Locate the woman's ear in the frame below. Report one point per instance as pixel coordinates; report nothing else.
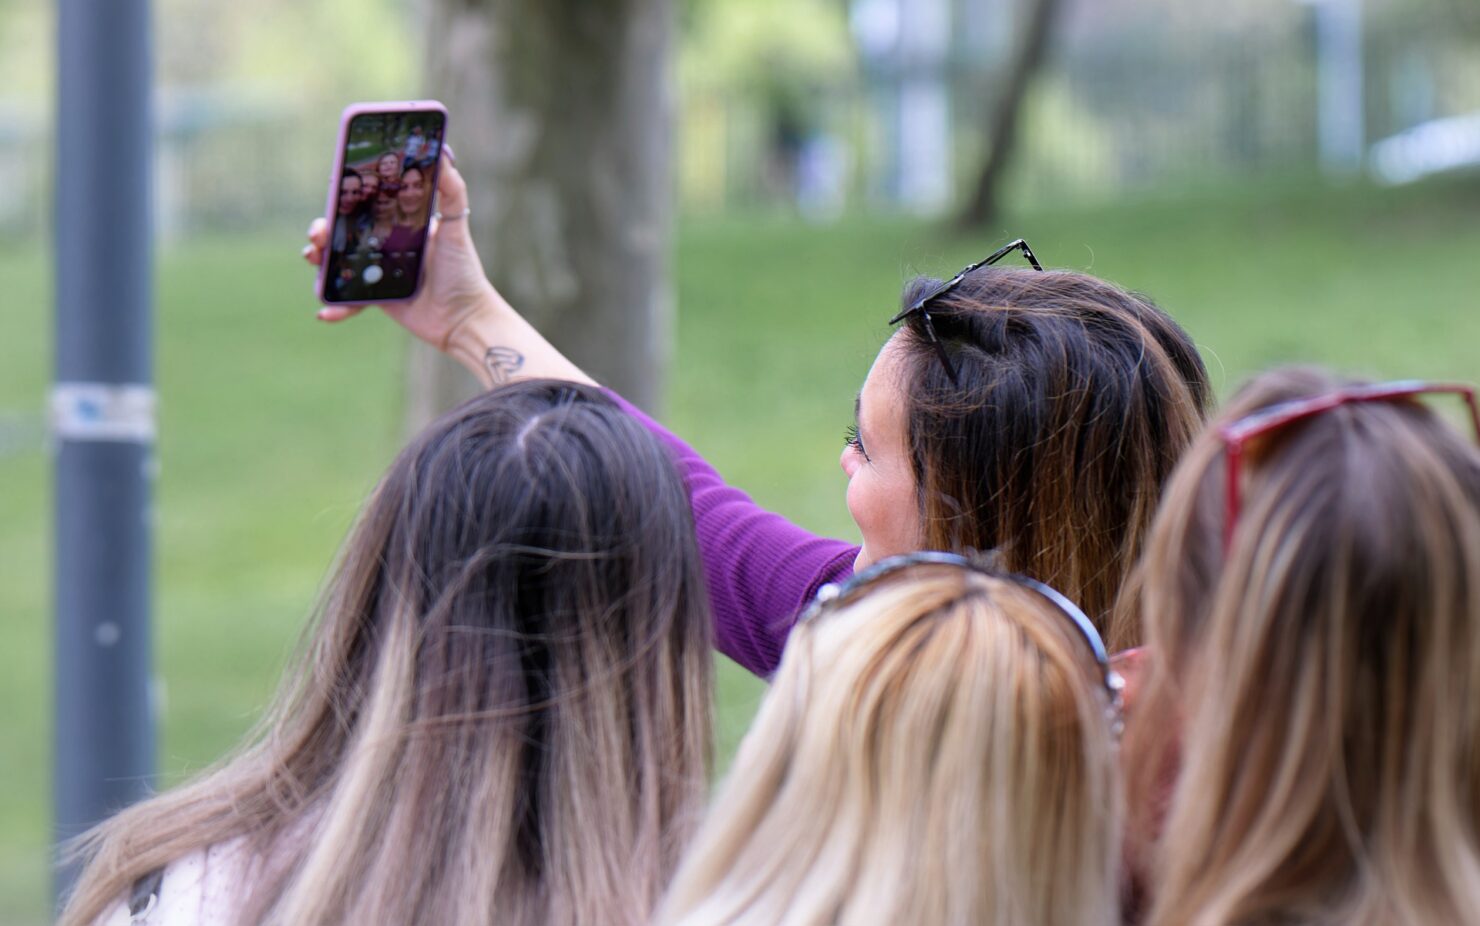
(1131, 664)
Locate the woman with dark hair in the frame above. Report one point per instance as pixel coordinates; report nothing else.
(1035, 413)
(502, 712)
(345, 239)
(347, 206)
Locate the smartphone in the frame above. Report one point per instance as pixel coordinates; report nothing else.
(380, 204)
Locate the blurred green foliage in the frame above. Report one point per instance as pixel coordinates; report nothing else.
(335, 47)
(748, 45)
(373, 49)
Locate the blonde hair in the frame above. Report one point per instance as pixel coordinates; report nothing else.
(503, 711)
(1323, 671)
(937, 752)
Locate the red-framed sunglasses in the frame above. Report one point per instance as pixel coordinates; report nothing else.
(1237, 434)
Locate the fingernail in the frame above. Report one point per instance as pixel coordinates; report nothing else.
(451, 155)
(307, 248)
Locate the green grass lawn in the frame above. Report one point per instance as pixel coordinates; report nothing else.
(273, 427)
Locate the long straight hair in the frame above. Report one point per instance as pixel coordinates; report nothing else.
(937, 752)
(1073, 401)
(1318, 681)
(502, 713)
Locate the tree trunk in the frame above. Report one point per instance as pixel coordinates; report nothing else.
(561, 114)
(1029, 52)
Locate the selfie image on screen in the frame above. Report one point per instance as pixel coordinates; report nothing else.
(383, 206)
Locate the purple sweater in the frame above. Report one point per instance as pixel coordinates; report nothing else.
(762, 569)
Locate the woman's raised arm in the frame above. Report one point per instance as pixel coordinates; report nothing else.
(457, 310)
(761, 569)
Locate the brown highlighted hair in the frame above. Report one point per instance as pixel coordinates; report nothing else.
(1073, 401)
(502, 712)
(1317, 681)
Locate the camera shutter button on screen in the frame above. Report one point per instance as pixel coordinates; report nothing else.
(373, 273)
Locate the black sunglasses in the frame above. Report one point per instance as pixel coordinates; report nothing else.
(836, 595)
(919, 305)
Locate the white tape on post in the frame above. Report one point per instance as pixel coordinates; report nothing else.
(103, 412)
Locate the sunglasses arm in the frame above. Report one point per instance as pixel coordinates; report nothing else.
(1233, 453)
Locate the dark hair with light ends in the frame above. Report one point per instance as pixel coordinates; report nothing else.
(503, 708)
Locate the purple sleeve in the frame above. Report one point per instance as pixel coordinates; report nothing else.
(761, 569)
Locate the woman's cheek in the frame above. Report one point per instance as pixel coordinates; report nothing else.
(861, 503)
(858, 511)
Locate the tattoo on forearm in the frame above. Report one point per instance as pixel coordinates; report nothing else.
(502, 363)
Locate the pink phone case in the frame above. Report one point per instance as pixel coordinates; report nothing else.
(331, 206)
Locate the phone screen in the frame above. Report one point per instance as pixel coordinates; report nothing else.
(383, 206)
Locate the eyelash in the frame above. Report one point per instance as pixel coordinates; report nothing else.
(851, 438)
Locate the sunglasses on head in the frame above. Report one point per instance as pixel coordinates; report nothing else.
(1236, 435)
(921, 305)
(834, 596)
